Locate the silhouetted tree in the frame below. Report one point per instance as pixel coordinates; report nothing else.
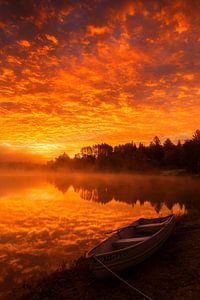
(196, 136)
(191, 153)
(170, 154)
(129, 157)
(155, 152)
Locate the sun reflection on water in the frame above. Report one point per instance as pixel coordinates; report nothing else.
(41, 226)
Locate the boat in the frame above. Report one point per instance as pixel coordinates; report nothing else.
(129, 245)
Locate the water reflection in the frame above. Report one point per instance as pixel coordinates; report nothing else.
(130, 189)
(47, 219)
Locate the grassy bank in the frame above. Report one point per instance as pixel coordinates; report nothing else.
(172, 273)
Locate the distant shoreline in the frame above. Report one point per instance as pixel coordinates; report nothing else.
(42, 169)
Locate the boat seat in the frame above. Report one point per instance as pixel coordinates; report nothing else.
(123, 243)
(149, 227)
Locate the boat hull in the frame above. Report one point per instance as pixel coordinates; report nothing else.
(120, 260)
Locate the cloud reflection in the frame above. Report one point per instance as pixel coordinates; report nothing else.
(47, 220)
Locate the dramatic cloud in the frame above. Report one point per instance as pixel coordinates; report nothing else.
(80, 72)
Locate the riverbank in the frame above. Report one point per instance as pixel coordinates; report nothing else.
(172, 273)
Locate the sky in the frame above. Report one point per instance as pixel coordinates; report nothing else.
(76, 73)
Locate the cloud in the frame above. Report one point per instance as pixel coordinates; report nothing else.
(95, 30)
(10, 153)
(66, 64)
(51, 38)
(24, 43)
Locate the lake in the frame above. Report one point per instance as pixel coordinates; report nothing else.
(50, 219)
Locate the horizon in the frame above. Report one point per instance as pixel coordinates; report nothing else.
(80, 73)
(9, 155)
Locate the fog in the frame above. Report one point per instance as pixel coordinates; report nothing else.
(157, 189)
(98, 187)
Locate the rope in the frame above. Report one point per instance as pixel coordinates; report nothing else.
(122, 280)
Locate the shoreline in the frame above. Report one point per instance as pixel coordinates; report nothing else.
(173, 272)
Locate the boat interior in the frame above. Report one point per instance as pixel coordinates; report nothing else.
(137, 232)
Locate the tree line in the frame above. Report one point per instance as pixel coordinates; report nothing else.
(130, 158)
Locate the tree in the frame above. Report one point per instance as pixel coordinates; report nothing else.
(129, 157)
(62, 161)
(156, 142)
(196, 136)
(191, 152)
(155, 151)
(168, 144)
(170, 154)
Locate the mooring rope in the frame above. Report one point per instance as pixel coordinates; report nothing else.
(121, 279)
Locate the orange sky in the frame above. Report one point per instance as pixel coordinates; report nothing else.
(75, 73)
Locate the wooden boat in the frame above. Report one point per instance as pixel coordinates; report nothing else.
(129, 245)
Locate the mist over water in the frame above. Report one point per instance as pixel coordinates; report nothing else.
(46, 219)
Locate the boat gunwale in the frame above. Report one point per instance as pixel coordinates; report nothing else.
(168, 219)
(97, 268)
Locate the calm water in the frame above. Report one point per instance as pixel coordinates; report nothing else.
(46, 219)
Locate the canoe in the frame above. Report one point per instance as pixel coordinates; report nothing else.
(129, 246)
